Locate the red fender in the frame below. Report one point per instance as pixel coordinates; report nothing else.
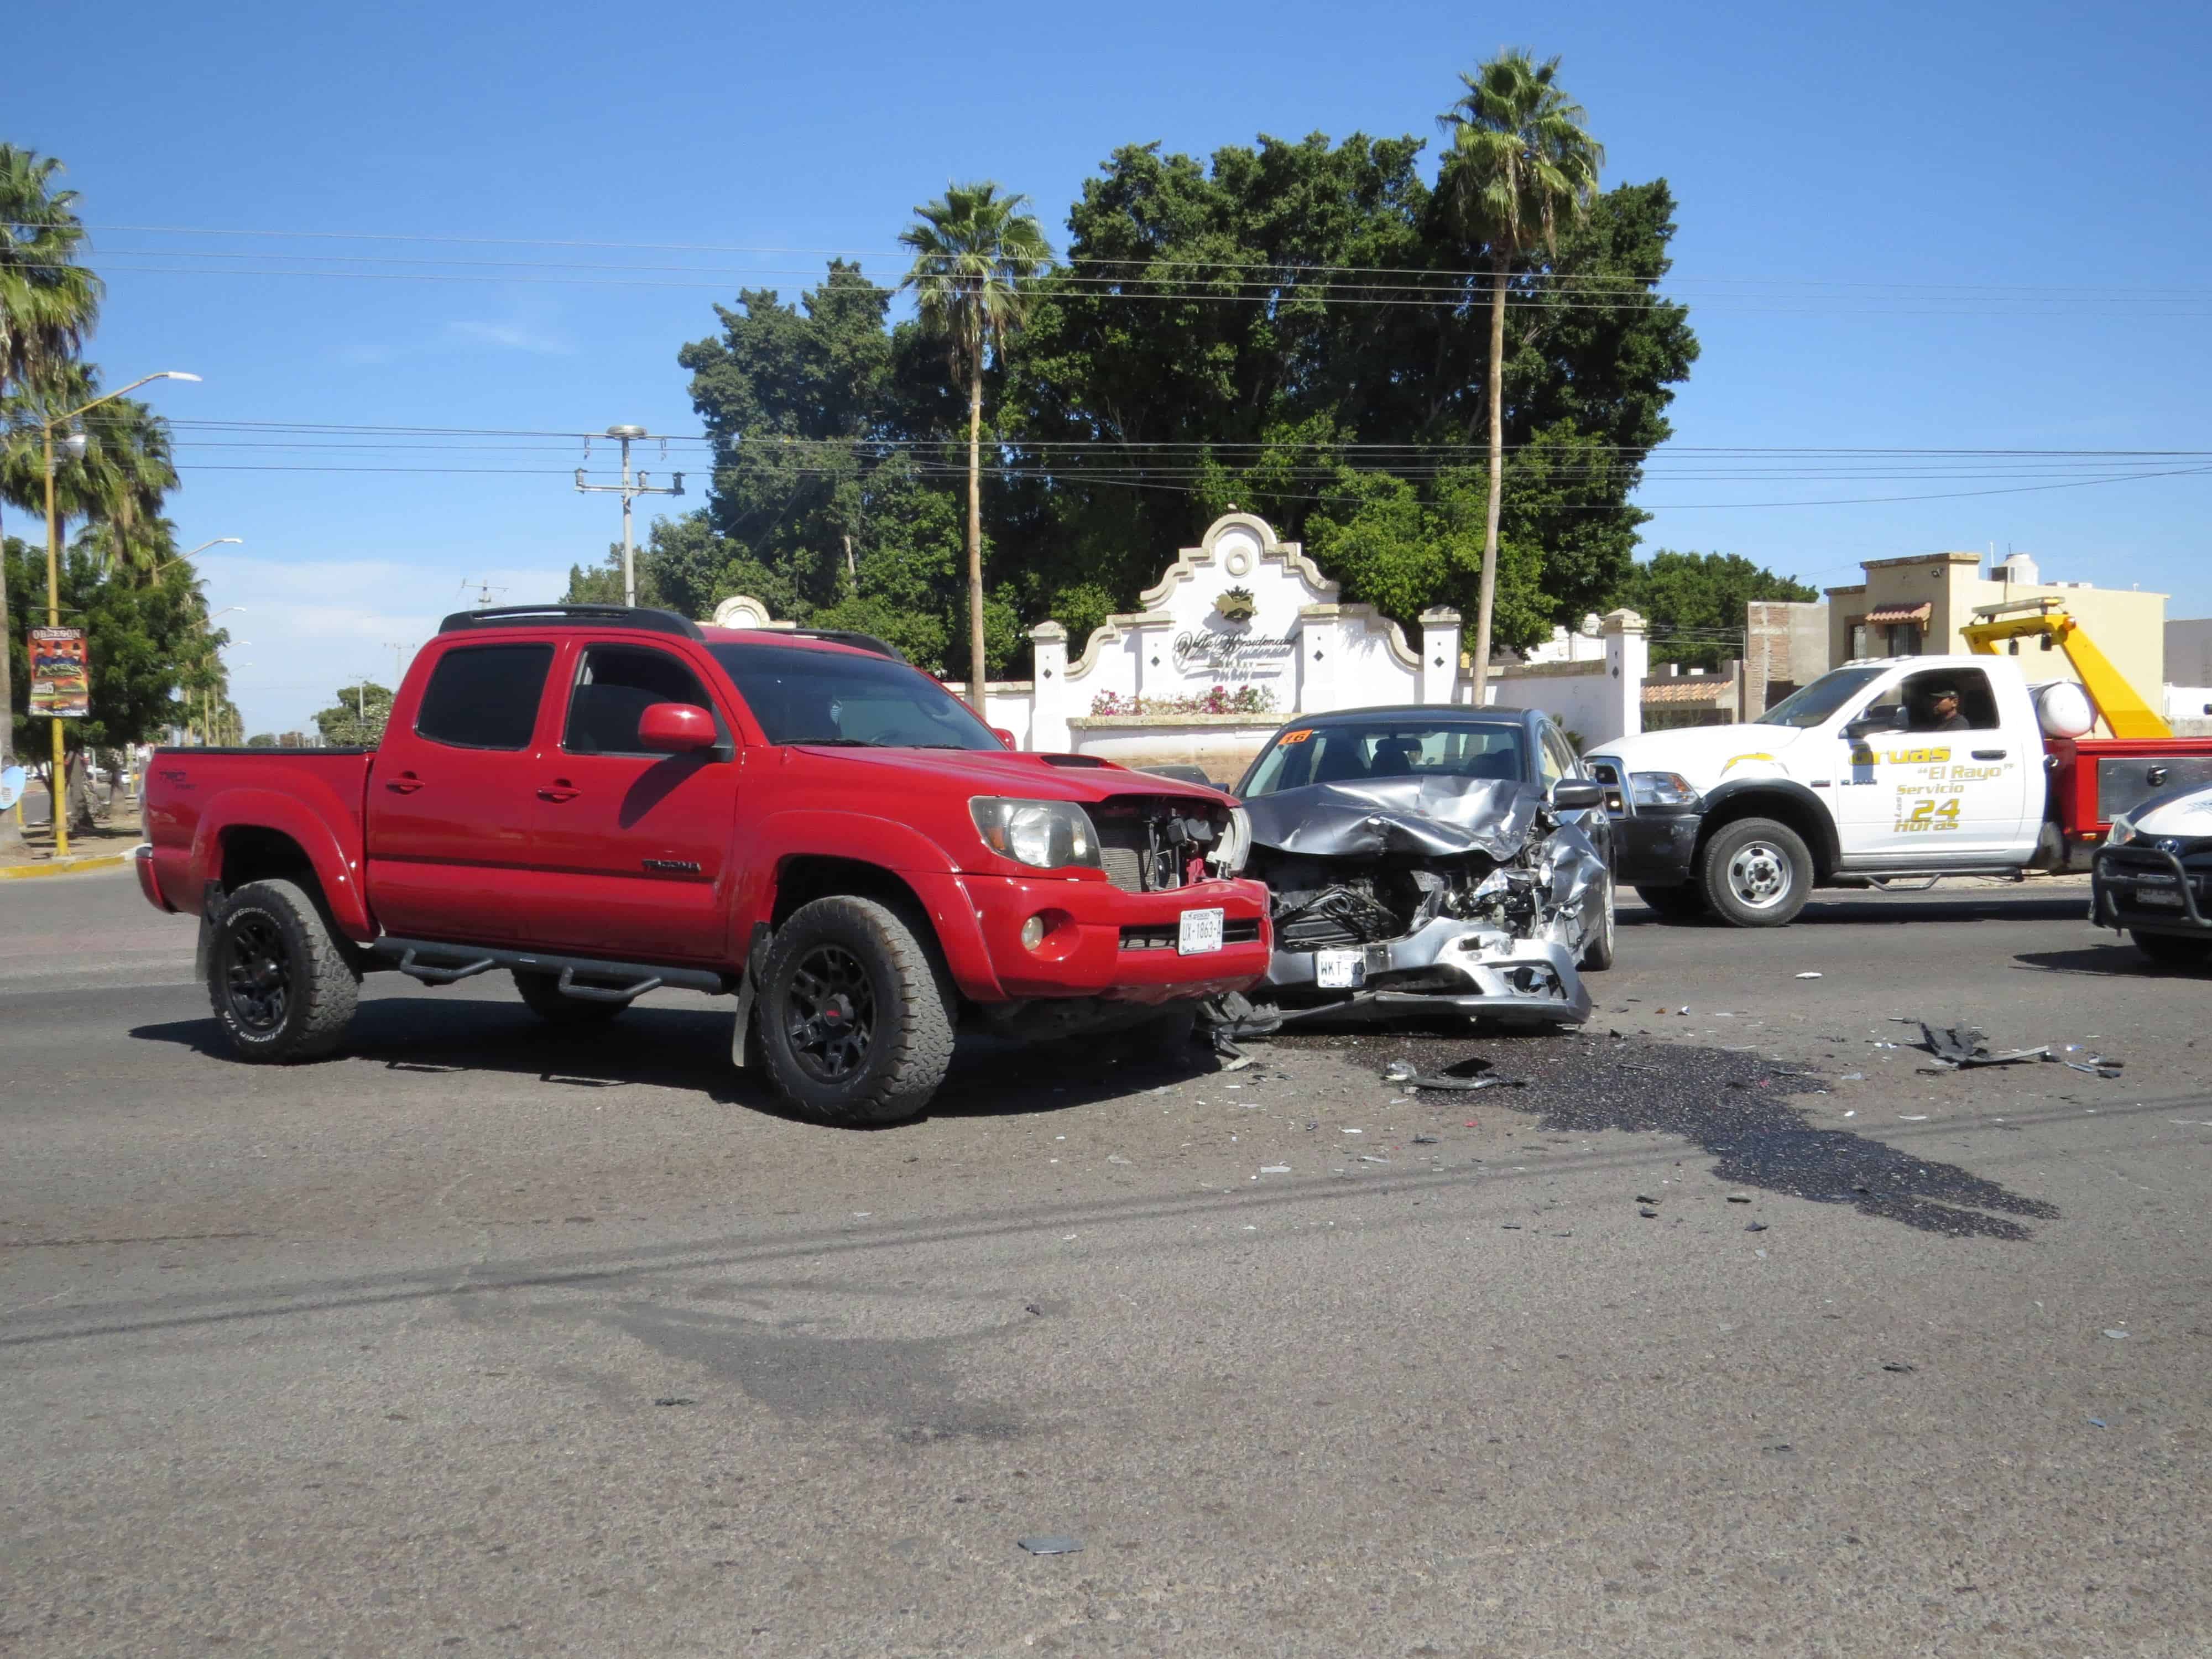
(306, 817)
(905, 852)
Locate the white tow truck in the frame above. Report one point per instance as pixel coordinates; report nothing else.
(1869, 777)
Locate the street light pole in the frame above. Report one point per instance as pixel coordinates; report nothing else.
(627, 489)
(54, 783)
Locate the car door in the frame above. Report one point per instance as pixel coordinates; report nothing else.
(631, 846)
(1916, 793)
(452, 796)
(1556, 760)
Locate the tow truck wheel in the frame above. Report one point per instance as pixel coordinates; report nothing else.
(1756, 873)
(1597, 952)
(1683, 904)
(2171, 950)
(543, 992)
(856, 1022)
(280, 984)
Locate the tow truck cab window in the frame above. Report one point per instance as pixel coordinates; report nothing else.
(1813, 705)
(614, 685)
(484, 697)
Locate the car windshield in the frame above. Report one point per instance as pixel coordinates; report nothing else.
(1817, 702)
(848, 698)
(1343, 753)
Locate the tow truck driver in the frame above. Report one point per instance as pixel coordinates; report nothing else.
(1937, 710)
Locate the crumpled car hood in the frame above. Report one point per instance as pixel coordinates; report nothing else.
(1429, 818)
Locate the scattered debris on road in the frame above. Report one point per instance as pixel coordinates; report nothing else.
(1472, 1073)
(1051, 1544)
(1965, 1046)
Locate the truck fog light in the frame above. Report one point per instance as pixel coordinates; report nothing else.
(1033, 933)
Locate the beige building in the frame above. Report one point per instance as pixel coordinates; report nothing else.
(1916, 606)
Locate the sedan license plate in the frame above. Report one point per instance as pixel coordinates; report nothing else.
(1340, 970)
(1200, 932)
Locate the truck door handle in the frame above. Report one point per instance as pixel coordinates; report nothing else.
(406, 784)
(559, 789)
(1988, 754)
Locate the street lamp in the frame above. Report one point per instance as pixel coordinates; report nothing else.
(181, 558)
(75, 445)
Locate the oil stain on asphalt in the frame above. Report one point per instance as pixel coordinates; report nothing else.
(1733, 1106)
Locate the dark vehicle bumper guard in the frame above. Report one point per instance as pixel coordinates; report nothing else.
(2119, 875)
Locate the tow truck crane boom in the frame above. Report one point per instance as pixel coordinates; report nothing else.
(2126, 713)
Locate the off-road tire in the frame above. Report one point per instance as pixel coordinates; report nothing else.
(1598, 952)
(835, 948)
(2171, 950)
(1683, 904)
(1736, 865)
(549, 1002)
(280, 981)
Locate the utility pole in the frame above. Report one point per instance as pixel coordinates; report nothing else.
(628, 490)
(398, 663)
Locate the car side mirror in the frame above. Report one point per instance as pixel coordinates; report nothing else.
(676, 728)
(1577, 794)
(1004, 737)
(1873, 722)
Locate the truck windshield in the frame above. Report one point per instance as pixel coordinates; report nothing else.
(1815, 703)
(799, 695)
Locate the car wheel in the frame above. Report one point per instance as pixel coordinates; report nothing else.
(856, 1026)
(1683, 904)
(1598, 952)
(543, 992)
(280, 982)
(1756, 873)
(2171, 950)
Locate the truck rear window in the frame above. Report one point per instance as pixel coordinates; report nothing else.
(485, 696)
(848, 698)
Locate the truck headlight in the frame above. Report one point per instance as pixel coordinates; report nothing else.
(1662, 789)
(2121, 832)
(1049, 835)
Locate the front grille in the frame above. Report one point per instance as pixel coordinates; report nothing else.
(1124, 865)
(1164, 936)
(1126, 825)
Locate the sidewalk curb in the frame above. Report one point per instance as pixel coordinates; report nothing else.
(62, 867)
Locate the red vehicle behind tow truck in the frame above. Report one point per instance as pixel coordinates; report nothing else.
(603, 801)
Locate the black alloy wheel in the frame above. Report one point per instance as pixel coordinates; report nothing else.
(830, 1016)
(257, 973)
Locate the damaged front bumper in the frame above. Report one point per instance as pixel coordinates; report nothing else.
(1447, 965)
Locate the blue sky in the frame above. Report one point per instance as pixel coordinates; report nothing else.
(1976, 226)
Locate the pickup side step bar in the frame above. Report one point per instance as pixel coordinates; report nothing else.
(588, 977)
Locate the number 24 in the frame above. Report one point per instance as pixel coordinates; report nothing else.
(1924, 811)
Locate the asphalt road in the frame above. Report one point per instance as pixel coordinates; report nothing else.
(486, 1338)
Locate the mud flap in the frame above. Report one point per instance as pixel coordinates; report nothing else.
(748, 989)
(213, 901)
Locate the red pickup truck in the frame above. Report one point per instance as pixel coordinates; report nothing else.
(603, 801)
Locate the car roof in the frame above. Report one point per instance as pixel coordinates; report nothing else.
(1489, 713)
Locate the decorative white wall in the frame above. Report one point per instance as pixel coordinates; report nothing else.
(1285, 631)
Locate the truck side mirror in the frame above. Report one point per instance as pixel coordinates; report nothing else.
(1576, 794)
(1004, 737)
(1873, 722)
(676, 728)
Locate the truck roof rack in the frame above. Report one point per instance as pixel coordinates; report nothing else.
(847, 636)
(574, 616)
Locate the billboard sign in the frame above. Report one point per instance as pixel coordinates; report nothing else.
(61, 675)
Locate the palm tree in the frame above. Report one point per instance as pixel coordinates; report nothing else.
(48, 305)
(975, 253)
(1520, 162)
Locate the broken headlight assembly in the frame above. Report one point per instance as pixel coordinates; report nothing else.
(1046, 835)
(2121, 832)
(1662, 789)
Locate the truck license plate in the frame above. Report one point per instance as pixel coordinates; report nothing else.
(1200, 932)
(2162, 896)
(1340, 970)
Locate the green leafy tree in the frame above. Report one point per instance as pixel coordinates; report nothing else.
(144, 641)
(1694, 603)
(262, 740)
(356, 720)
(975, 256)
(1521, 162)
(49, 304)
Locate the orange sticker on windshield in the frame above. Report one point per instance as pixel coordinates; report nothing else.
(1297, 737)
